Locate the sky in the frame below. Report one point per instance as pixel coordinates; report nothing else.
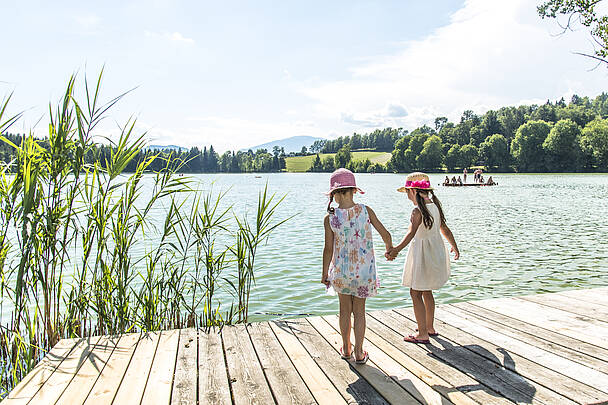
(235, 74)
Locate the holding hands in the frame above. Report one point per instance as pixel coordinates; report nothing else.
(391, 253)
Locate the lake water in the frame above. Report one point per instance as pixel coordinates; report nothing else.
(530, 234)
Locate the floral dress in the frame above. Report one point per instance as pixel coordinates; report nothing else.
(353, 267)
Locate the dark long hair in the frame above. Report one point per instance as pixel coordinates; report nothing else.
(330, 209)
(427, 218)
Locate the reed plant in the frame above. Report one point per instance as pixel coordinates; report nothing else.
(82, 254)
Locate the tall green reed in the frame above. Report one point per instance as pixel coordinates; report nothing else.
(81, 254)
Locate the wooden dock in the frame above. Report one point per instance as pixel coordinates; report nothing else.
(541, 349)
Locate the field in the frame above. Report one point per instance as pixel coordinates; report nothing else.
(302, 163)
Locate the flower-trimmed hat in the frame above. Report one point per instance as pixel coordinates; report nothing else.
(417, 180)
(343, 178)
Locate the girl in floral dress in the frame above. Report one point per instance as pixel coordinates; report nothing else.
(349, 265)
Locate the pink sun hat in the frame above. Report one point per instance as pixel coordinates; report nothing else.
(417, 180)
(343, 178)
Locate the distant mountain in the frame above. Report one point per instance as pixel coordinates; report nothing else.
(165, 147)
(292, 144)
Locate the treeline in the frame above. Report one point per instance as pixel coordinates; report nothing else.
(381, 140)
(553, 137)
(192, 161)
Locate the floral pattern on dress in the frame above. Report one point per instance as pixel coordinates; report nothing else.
(353, 267)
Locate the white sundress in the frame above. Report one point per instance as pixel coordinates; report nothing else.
(427, 266)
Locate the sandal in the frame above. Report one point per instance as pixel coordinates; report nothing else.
(414, 339)
(363, 360)
(344, 356)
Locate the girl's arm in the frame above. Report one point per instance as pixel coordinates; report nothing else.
(415, 221)
(328, 250)
(447, 233)
(384, 234)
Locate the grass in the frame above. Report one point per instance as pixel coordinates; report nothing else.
(64, 207)
(303, 163)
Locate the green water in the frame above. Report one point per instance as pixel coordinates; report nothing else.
(530, 234)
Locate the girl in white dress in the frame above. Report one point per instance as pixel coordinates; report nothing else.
(427, 266)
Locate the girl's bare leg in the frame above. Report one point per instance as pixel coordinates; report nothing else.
(346, 308)
(429, 305)
(359, 313)
(420, 313)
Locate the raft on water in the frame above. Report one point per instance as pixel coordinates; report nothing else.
(469, 185)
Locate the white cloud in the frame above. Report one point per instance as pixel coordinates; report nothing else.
(87, 21)
(492, 53)
(171, 36)
(229, 133)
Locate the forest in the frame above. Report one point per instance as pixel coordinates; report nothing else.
(552, 137)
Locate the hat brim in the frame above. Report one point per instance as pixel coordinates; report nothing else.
(404, 189)
(357, 189)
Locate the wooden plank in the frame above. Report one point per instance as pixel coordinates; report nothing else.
(325, 352)
(107, 384)
(387, 387)
(587, 350)
(598, 296)
(506, 382)
(400, 354)
(319, 385)
(133, 384)
(575, 326)
(160, 379)
(570, 379)
(31, 383)
(389, 324)
(50, 392)
(570, 304)
(401, 375)
(79, 388)
(184, 384)
(245, 374)
(213, 387)
(284, 381)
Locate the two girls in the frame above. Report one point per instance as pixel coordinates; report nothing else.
(348, 256)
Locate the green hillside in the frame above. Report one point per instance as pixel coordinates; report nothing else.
(302, 163)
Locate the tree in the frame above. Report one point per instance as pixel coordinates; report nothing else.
(453, 158)
(594, 142)
(490, 124)
(494, 151)
(343, 156)
(431, 155)
(527, 146)
(317, 146)
(562, 148)
(328, 164)
(212, 160)
(304, 150)
(469, 155)
(440, 122)
(355, 142)
(397, 161)
(584, 12)
(316, 166)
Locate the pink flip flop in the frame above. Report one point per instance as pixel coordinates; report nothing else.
(363, 360)
(346, 357)
(413, 339)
